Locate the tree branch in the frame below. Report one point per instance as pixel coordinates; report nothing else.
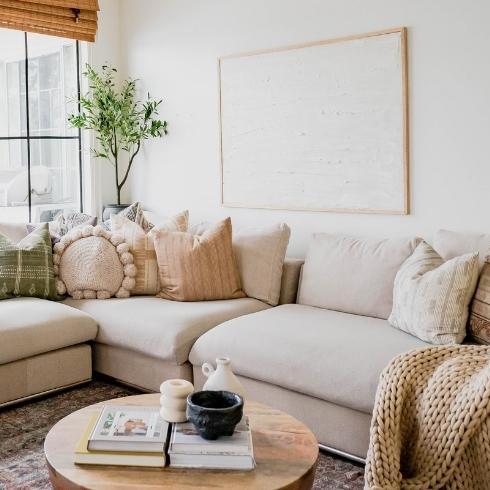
(129, 164)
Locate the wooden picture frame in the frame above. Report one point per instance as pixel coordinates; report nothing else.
(403, 152)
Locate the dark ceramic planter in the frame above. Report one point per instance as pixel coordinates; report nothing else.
(112, 209)
(214, 413)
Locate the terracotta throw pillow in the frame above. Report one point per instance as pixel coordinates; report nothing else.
(198, 268)
(480, 307)
(143, 249)
(431, 297)
(260, 254)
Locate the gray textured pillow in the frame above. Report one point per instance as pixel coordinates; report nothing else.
(134, 213)
(63, 223)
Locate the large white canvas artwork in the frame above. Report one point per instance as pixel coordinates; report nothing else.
(318, 127)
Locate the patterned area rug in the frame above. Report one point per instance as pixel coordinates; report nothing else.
(24, 427)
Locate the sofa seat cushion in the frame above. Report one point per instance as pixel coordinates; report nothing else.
(157, 327)
(31, 326)
(334, 356)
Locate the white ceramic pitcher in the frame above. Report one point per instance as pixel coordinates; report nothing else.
(221, 378)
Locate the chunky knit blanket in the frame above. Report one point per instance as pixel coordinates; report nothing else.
(431, 422)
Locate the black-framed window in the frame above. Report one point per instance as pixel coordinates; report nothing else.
(40, 154)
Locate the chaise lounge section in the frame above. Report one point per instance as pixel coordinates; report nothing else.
(321, 366)
(43, 347)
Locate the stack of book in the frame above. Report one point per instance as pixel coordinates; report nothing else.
(189, 450)
(138, 436)
(125, 436)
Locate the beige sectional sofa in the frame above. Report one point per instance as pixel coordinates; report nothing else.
(318, 364)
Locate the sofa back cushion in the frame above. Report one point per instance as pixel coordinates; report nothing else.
(291, 272)
(353, 275)
(449, 244)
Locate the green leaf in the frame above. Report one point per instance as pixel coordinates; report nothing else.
(119, 120)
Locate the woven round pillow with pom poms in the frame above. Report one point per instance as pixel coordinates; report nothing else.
(91, 262)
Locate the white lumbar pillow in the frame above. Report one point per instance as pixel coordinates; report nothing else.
(431, 297)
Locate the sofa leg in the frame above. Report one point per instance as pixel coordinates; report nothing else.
(338, 452)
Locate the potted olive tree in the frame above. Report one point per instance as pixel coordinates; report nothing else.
(120, 122)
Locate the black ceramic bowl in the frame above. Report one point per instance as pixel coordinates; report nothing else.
(214, 413)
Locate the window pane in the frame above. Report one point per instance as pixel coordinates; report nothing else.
(51, 92)
(13, 181)
(12, 82)
(52, 96)
(55, 174)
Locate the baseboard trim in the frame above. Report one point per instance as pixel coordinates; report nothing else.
(343, 454)
(43, 393)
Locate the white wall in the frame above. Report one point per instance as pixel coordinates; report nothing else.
(105, 50)
(172, 46)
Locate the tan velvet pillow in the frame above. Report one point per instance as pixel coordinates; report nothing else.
(197, 268)
(143, 249)
(260, 256)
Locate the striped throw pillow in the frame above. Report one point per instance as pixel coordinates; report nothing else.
(197, 267)
(143, 249)
(431, 297)
(26, 267)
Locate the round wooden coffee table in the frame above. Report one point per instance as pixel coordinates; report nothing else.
(285, 452)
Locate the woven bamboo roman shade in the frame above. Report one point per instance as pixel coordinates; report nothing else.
(74, 19)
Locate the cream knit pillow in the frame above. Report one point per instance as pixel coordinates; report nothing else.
(143, 249)
(91, 262)
(431, 297)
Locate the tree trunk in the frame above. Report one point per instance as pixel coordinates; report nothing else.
(117, 176)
